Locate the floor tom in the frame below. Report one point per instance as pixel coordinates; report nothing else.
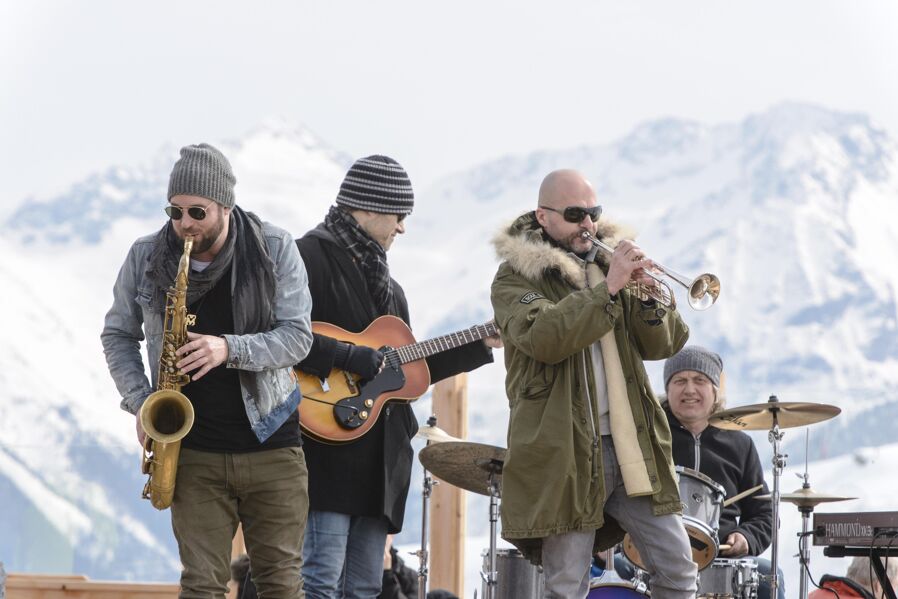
(516, 577)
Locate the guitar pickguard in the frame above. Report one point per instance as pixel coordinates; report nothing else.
(352, 412)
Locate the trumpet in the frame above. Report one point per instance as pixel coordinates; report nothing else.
(701, 292)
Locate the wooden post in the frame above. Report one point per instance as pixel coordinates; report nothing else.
(447, 503)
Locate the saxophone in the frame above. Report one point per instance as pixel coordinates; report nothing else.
(167, 414)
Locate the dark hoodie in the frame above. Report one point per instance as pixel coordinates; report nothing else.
(730, 459)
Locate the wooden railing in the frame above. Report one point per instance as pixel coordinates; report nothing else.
(76, 586)
(68, 586)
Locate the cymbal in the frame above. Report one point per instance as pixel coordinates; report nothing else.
(463, 464)
(806, 497)
(434, 434)
(759, 417)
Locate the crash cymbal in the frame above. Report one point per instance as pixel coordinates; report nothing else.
(434, 434)
(806, 497)
(759, 417)
(463, 464)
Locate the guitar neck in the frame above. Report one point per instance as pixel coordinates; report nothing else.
(423, 349)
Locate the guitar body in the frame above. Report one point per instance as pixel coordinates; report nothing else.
(341, 409)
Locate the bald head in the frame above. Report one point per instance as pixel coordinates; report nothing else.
(561, 186)
(561, 190)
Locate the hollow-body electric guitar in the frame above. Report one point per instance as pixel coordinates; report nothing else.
(342, 407)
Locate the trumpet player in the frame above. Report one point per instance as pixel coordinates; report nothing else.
(242, 461)
(588, 444)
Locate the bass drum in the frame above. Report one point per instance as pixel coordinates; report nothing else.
(614, 590)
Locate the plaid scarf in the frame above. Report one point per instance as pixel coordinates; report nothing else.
(245, 249)
(368, 254)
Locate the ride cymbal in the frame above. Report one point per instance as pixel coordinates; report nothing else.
(760, 417)
(463, 464)
(806, 497)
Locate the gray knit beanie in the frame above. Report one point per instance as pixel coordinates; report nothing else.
(205, 172)
(695, 358)
(378, 184)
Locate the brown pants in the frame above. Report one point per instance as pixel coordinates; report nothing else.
(267, 492)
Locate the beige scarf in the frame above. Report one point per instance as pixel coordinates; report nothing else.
(623, 428)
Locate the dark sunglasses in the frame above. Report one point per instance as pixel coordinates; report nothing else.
(177, 212)
(575, 214)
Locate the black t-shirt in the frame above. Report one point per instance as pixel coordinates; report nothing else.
(220, 423)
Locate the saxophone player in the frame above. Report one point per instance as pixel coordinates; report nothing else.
(242, 460)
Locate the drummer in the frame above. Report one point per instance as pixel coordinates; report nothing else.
(692, 383)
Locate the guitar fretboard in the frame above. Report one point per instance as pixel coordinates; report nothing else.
(423, 349)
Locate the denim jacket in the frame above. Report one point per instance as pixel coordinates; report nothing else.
(265, 360)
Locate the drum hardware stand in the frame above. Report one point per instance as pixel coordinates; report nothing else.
(422, 553)
(779, 462)
(609, 575)
(494, 467)
(804, 552)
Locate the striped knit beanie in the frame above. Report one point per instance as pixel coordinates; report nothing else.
(378, 184)
(695, 358)
(205, 172)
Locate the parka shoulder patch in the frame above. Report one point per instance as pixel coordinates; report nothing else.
(530, 297)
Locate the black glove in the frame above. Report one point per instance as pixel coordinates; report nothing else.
(358, 359)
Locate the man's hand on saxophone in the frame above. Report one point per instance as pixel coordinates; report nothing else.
(201, 351)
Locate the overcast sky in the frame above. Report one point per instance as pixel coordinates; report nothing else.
(440, 86)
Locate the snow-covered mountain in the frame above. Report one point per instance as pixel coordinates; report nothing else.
(793, 208)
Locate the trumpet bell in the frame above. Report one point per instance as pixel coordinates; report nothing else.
(703, 291)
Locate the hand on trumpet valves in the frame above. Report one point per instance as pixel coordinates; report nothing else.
(628, 262)
(203, 352)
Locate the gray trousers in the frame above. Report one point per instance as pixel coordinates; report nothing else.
(661, 540)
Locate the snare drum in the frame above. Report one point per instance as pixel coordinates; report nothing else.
(516, 577)
(702, 500)
(729, 579)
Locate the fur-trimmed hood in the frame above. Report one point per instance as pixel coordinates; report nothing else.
(523, 245)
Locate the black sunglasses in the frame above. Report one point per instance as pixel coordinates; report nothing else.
(177, 212)
(575, 214)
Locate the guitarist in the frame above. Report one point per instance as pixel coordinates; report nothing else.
(357, 490)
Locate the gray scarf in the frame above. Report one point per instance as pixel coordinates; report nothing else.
(244, 251)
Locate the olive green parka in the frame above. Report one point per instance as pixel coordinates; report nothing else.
(552, 480)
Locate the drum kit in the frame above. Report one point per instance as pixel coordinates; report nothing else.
(477, 467)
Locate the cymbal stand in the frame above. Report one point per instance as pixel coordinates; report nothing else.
(422, 553)
(779, 462)
(804, 552)
(494, 467)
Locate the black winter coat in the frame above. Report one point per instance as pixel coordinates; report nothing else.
(731, 460)
(369, 476)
